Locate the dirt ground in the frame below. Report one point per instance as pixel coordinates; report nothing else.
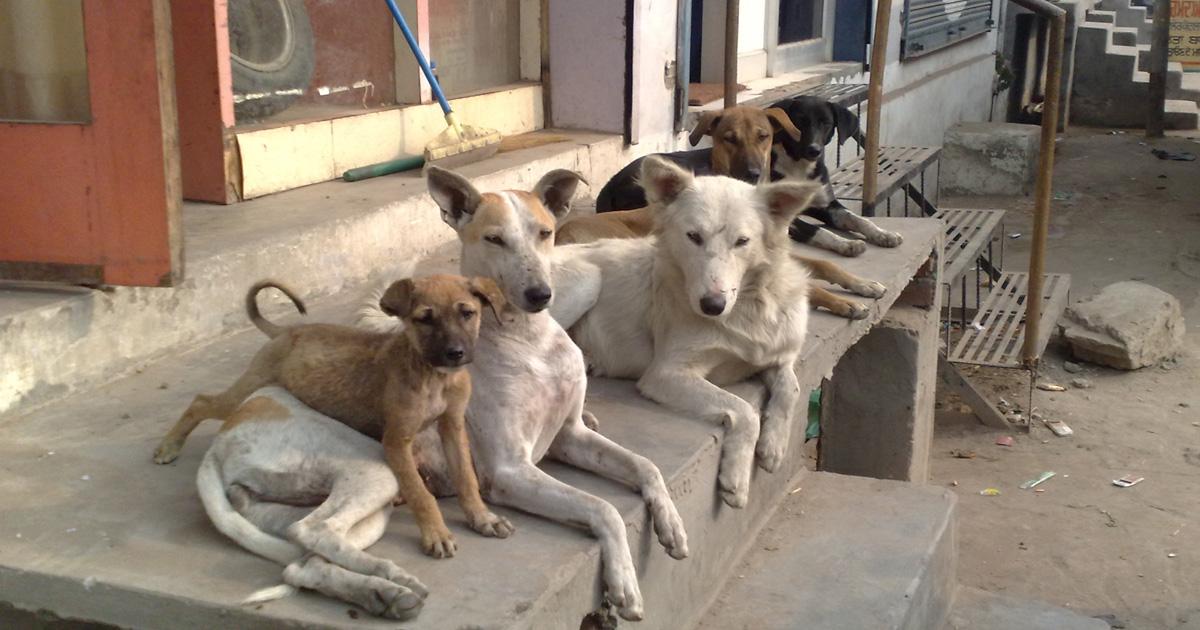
(1084, 543)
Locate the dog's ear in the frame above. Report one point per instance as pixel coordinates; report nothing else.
(780, 121)
(556, 189)
(662, 179)
(489, 293)
(847, 123)
(784, 200)
(454, 195)
(397, 300)
(704, 125)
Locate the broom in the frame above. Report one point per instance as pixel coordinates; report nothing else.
(458, 143)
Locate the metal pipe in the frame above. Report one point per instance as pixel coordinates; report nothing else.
(1042, 192)
(731, 45)
(1155, 117)
(1041, 7)
(879, 44)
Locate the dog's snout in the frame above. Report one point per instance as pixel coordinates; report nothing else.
(754, 172)
(812, 152)
(455, 354)
(712, 304)
(538, 296)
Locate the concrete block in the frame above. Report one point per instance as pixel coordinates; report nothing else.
(878, 407)
(1126, 325)
(846, 552)
(981, 158)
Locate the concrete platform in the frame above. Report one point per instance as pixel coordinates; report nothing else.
(846, 552)
(323, 239)
(979, 610)
(103, 534)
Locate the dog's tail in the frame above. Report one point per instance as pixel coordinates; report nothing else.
(270, 329)
(231, 523)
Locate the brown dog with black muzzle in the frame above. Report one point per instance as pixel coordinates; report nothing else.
(386, 385)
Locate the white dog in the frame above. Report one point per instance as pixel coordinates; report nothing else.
(711, 298)
(308, 492)
(529, 380)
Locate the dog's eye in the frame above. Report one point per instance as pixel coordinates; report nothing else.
(426, 318)
(494, 240)
(467, 315)
(762, 135)
(730, 138)
(695, 238)
(545, 234)
(741, 241)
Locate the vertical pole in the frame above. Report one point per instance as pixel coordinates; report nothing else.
(1158, 69)
(1041, 212)
(731, 45)
(879, 45)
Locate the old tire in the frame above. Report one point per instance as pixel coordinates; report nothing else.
(271, 50)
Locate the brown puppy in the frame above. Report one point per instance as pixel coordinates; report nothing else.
(742, 138)
(386, 385)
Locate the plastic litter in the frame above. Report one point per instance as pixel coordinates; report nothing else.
(1037, 480)
(990, 492)
(1058, 427)
(1178, 156)
(1051, 387)
(1004, 440)
(1127, 481)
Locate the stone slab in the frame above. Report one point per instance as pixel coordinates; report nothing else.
(846, 552)
(982, 158)
(101, 533)
(1126, 325)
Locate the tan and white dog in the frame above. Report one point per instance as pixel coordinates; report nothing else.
(529, 380)
(714, 296)
(308, 492)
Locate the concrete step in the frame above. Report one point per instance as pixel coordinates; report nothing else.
(322, 238)
(846, 552)
(103, 534)
(1124, 36)
(1097, 16)
(979, 610)
(1181, 115)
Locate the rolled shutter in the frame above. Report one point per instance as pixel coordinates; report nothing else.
(933, 24)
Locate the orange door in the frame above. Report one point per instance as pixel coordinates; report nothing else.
(89, 190)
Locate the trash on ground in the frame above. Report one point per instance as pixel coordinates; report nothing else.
(1178, 156)
(1015, 418)
(1057, 427)
(1072, 367)
(1002, 403)
(1037, 480)
(1039, 490)
(990, 492)
(1172, 555)
(1128, 480)
(977, 326)
(796, 489)
(1065, 196)
(1004, 440)
(1081, 383)
(86, 477)
(1051, 387)
(957, 454)
(1015, 235)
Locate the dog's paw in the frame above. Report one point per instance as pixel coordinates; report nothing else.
(492, 525)
(869, 288)
(851, 248)
(770, 452)
(855, 311)
(734, 488)
(884, 238)
(392, 572)
(166, 453)
(624, 593)
(669, 527)
(590, 421)
(438, 542)
(392, 601)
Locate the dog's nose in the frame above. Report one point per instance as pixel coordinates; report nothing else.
(754, 173)
(538, 296)
(454, 354)
(712, 304)
(812, 152)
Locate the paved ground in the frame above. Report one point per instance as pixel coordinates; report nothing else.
(1083, 543)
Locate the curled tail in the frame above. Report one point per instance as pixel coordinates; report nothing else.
(269, 329)
(231, 523)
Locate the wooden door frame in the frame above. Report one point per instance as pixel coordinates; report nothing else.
(109, 230)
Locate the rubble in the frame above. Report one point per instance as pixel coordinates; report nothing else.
(1127, 325)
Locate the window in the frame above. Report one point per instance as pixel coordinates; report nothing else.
(800, 20)
(929, 25)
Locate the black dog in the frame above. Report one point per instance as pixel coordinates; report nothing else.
(817, 120)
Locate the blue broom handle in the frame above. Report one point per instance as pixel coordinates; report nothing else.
(416, 48)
